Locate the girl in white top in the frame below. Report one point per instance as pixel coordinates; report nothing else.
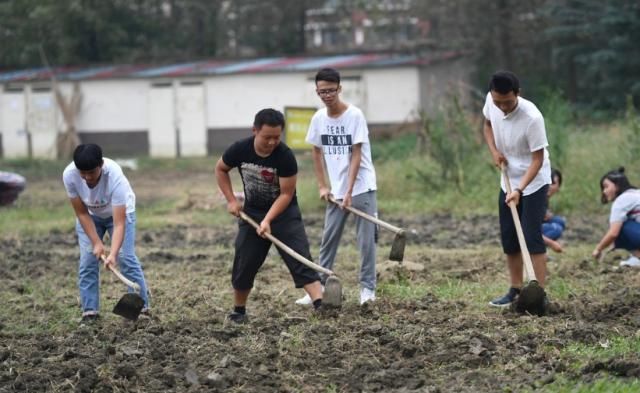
(624, 220)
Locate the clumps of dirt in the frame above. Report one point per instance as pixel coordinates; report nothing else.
(430, 344)
(617, 367)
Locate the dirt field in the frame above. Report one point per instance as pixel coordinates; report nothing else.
(428, 332)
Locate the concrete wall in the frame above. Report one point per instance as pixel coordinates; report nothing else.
(113, 105)
(440, 81)
(15, 141)
(392, 95)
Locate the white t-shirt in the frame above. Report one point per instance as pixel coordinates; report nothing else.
(336, 137)
(113, 189)
(626, 207)
(517, 135)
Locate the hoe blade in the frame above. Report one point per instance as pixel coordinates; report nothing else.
(332, 296)
(129, 306)
(531, 299)
(397, 248)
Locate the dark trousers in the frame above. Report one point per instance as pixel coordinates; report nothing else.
(531, 211)
(252, 250)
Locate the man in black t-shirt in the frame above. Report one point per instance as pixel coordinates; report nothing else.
(268, 170)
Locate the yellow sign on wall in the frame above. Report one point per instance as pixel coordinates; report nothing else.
(297, 121)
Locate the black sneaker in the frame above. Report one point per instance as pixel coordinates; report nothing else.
(89, 319)
(507, 299)
(238, 317)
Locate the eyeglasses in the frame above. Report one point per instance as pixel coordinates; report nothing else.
(327, 92)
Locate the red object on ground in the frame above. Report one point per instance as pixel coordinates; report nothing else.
(11, 185)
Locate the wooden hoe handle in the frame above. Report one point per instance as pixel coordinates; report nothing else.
(366, 216)
(286, 248)
(526, 257)
(122, 278)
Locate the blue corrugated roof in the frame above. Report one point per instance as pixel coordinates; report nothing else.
(213, 67)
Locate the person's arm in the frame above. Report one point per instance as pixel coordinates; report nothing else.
(287, 189)
(318, 168)
(119, 221)
(224, 183)
(554, 245)
(88, 225)
(354, 167)
(497, 156)
(608, 238)
(537, 158)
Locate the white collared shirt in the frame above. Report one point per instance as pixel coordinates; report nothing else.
(517, 135)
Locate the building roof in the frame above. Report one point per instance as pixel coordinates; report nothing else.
(224, 67)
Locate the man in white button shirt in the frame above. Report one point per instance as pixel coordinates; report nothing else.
(515, 134)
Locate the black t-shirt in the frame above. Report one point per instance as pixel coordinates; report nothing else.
(261, 175)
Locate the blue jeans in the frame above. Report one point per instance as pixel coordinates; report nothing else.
(629, 236)
(89, 269)
(553, 228)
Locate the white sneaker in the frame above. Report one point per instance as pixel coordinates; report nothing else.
(367, 295)
(633, 261)
(306, 299)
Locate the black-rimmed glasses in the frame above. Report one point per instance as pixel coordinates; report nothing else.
(327, 92)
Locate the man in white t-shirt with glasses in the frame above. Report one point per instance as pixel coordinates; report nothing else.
(340, 139)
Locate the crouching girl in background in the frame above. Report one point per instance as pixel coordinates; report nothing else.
(624, 220)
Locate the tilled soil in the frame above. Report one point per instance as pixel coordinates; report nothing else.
(429, 343)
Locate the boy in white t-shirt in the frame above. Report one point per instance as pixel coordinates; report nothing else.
(340, 139)
(515, 134)
(103, 201)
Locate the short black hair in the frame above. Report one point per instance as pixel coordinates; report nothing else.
(328, 75)
(504, 81)
(556, 174)
(87, 157)
(618, 178)
(270, 117)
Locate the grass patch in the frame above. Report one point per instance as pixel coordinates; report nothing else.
(613, 347)
(446, 290)
(601, 385)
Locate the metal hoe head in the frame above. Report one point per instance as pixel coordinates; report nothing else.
(397, 248)
(531, 299)
(129, 306)
(332, 296)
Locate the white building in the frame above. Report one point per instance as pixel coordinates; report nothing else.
(195, 109)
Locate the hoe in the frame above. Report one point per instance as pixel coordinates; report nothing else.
(397, 248)
(531, 298)
(131, 304)
(332, 288)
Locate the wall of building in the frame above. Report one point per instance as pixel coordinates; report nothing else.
(15, 140)
(439, 82)
(196, 116)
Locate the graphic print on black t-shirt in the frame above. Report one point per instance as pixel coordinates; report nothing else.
(261, 184)
(336, 141)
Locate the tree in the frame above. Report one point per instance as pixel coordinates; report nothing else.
(595, 49)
